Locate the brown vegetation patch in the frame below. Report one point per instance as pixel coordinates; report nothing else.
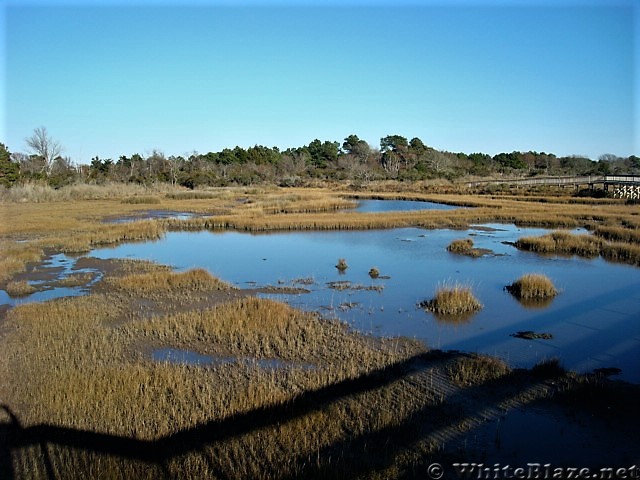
(19, 289)
(465, 247)
(582, 245)
(533, 286)
(477, 369)
(143, 200)
(452, 300)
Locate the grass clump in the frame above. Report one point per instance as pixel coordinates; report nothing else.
(452, 300)
(19, 289)
(342, 265)
(533, 286)
(476, 370)
(464, 246)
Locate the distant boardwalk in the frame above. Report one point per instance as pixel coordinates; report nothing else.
(624, 186)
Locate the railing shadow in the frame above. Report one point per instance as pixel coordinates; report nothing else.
(158, 453)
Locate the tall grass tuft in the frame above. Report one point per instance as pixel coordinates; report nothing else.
(533, 286)
(464, 246)
(452, 300)
(476, 370)
(19, 289)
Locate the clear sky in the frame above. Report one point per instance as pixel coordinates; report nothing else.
(109, 78)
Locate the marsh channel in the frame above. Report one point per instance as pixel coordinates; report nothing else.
(593, 323)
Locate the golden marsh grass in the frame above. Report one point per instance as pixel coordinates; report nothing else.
(477, 369)
(584, 245)
(465, 246)
(452, 300)
(533, 286)
(19, 289)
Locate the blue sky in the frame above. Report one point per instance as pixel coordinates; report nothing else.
(108, 78)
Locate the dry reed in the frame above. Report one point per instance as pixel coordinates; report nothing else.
(19, 289)
(533, 286)
(476, 370)
(464, 247)
(452, 300)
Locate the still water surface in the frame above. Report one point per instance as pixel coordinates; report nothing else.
(595, 321)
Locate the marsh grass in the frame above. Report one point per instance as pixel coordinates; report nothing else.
(34, 192)
(533, 286)
(464, 246)
(618, 233)
(87, 370)
(161, 281)
(19, 289)
(563, 243)
(452, 300)
(476, 369)
(142, 200)
(76, 279)
(583, 245)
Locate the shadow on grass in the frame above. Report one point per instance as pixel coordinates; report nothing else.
(43, 447)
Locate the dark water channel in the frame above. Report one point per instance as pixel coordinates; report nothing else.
(595, 321)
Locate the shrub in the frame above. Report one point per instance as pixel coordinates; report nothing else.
(374, 272)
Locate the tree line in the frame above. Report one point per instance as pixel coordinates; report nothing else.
(352, 160)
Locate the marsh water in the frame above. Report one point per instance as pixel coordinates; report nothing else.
(594, 321)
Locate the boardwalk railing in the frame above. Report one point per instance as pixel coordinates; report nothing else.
(625, 186)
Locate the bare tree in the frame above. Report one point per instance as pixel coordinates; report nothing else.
(42, 145)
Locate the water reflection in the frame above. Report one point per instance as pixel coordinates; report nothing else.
(591, 327)
(594, 320)
(378, 206)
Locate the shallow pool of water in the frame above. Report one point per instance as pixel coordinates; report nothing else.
(594, 321)
(378, 206)
(53, 269)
